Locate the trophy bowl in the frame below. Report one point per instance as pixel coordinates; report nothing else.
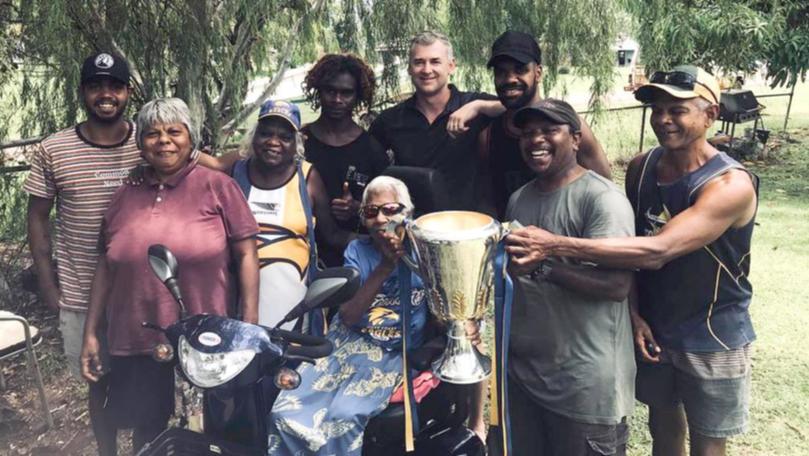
(454, 253)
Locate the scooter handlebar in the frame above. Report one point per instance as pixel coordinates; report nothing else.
(306, 346)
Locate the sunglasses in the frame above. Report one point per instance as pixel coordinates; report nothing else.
(388, 210)
(679, 79)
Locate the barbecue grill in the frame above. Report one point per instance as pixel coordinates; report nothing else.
(736, 107)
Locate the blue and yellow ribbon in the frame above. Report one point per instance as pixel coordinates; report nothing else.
(318, 325)
(503, 297)
(411, 412)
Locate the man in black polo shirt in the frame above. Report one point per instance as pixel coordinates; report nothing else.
(416, 129)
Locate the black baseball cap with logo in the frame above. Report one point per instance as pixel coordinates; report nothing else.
(557, 111)
(105, 64)
(519, 46)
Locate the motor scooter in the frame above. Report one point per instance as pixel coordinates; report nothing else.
(242, 367)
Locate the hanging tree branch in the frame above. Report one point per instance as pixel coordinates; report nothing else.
(289, 48)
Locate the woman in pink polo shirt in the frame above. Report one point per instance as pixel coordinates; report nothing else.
(201, 216)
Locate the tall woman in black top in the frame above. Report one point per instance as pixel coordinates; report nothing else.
(344, 154)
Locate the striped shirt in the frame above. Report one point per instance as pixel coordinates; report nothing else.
(81, 177)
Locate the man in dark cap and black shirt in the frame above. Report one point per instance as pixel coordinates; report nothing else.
(516, 61)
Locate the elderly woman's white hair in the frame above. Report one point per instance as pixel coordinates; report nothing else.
(246, 149)
(166, 111)
(389, 184)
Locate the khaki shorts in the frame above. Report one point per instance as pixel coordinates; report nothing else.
(71, 325)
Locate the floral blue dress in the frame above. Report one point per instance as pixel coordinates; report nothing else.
(328, 413)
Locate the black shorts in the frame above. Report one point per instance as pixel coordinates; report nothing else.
(140, 391)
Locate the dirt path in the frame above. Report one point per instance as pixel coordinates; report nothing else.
(22, 426)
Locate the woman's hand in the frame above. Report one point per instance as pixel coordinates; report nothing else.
(345, 207)
(91, 368)
(391, 247)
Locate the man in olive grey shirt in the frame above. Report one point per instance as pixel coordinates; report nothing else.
(571, 366)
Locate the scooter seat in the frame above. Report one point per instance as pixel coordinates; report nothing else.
(445, 406)
(421, 358)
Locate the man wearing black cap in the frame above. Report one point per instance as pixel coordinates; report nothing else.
(516, 61)
(79, 169)
(571, 366)
(695, 210)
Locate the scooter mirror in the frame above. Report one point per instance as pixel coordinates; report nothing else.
(331, 287)
(163, 262)
(164, 265)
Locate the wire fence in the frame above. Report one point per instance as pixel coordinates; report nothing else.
(625, 131)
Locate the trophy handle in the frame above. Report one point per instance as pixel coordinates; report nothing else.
(412, 265)
(400, 227)
(506, 227)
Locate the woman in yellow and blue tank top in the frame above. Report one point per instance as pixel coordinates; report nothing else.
(286, 196)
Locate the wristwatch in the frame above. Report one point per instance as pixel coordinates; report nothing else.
(543, 271)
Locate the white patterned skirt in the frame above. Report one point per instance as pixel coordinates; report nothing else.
(328, 412)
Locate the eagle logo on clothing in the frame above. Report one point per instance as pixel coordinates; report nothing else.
(655, 223)
(278, 244)
(383, 324)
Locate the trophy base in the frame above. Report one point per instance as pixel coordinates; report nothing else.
(461, 363)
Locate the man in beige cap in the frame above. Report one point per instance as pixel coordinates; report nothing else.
(694, 210)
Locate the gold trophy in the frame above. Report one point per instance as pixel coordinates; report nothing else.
(454, 253)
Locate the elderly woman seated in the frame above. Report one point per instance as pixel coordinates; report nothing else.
(328, 413)
(202, 216)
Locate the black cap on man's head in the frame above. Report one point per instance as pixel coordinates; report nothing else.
(520, 46)
(105, 64)
(557, 111)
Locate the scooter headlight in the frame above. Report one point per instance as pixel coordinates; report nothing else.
(287, 379)
(207, 370)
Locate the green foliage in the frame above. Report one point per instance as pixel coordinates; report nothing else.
(788, 54)
(204, 51)
(571, 32)
(207, 51)
(725, 35)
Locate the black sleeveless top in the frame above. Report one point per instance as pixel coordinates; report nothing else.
(357, 163)
(698, 302)
(506, 166)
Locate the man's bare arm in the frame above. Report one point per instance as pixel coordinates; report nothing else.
(222, 163)
(39, 241)
(725, 202)
(591, 155)
(91, 367)
(459, 120)
(611, 284)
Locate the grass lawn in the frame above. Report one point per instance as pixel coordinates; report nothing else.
(780, 273)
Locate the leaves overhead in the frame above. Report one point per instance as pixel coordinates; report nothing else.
(204, 51)
(725, 35)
